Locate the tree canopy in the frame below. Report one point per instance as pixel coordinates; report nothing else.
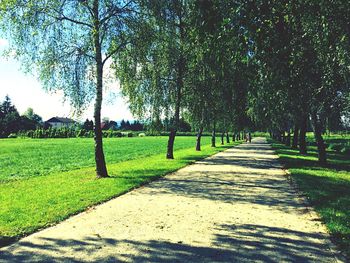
(280, 66)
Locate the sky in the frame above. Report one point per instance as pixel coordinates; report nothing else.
(26, 91)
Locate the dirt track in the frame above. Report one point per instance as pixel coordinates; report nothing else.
(236, 206)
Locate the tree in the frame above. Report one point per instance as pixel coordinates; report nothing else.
(9, 118)
(69, 43)
(88, 125)
(127, 125)
(123, 125)
(153, 69)
(136, 126)
(31, 115)
(287, 38)
(200, 98)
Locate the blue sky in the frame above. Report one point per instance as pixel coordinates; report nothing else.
(25, 91)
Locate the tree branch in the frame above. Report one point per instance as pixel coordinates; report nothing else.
(114, 51)
(63, 17)
(115, 10)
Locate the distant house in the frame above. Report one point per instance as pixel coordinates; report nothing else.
(109, 125)
(58, 122)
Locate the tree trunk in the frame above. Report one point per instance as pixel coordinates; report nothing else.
(321, 147)
(282, 137)
(302, 135)
(287, 139)
(295, 137)
(173, 130)
(101, 169)
(170, 148)
(179, 87)
(227, 138)
(213, 137)
(222, 138)
(233, 136)
(278, 137)
(239, 136)
(199, 136)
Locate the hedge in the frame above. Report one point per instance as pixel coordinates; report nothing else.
(71, 133)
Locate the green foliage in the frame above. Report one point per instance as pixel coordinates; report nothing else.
(9, 118)
(66, 132)
(88, 125)
(31, 115)
(55, 38)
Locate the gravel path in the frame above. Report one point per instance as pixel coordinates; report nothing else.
(236, 206)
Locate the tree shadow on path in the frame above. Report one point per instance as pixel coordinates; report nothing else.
(232, 243)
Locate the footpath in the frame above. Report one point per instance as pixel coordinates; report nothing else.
(236, 206)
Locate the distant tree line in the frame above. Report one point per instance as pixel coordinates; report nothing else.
(113, 125)
(31, 125)
(12, 122)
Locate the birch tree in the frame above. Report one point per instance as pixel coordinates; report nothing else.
(68, 44)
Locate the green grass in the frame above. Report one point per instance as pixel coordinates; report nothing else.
(35, 157)
(329, 139)
(327, 188)
(33, 202)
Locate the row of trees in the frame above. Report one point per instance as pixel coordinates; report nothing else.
(223, 65)
(301, 65)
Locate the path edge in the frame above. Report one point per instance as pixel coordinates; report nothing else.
(304, 201)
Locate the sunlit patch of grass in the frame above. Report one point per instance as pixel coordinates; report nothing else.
(21, 158)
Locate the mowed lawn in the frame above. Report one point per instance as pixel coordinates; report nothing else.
(21, 158)
(45, 181)
(327, 188)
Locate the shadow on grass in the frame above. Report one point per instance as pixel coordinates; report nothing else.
(327, 188)
(230, 243)
(331, 198)
(293, 159)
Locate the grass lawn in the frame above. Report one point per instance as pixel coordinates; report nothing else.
(32, 157)
(57, 191)
(327, 188)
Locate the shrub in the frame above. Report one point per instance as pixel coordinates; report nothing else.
(12, 135)
(142, 134)
(81, 133)
(29, 134)
(312, 143)
(336, 147)
(89, 134)
(346, 150)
